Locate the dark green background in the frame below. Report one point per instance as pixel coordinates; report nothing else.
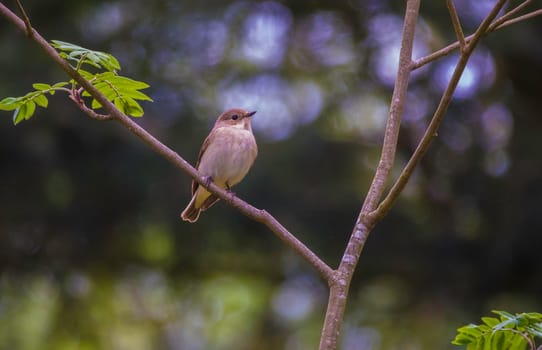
(93, 254)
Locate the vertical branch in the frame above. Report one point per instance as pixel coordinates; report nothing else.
(393, 124)
(340, 284)
(457, 24)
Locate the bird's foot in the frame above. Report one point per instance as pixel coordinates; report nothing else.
(230, 192)
(208, 181)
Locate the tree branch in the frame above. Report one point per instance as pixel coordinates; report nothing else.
(393, 123)
(509, 15)
(28, 25)
(431, 131)
(259, 215)
(340, 286)
(519, 19)
(456, 24)
(498, 24)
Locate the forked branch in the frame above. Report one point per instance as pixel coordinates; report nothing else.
(431, 131)
(503, 21)
(456, 24)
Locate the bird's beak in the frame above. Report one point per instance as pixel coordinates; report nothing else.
(250, 114)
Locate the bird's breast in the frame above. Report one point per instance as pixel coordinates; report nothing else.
(229, 155)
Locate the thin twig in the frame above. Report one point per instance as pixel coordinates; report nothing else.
(509, 14)
(89, 111)
(420, 62)
(456, 24)
(260, 215)
(29, 30)
(520, 18)
(431, 131)
(484, 26)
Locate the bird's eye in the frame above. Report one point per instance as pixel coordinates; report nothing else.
(235, 117)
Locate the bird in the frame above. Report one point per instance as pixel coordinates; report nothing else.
(226, 156)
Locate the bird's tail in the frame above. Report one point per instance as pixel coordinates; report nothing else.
(191, 213)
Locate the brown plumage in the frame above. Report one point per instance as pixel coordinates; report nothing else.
(225, 157)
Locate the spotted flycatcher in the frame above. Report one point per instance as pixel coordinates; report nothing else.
(225, 158)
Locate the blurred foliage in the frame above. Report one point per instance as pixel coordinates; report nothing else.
(93, 254)
(513, 332)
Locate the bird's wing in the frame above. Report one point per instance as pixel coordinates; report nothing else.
(204, 147)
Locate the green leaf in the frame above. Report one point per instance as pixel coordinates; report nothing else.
(122, 91)
(463, 339)
(128, 83)
(535, 329)
(534, 316)
(480, 344)
(80, 54)
(509, 332)
(85, 74)
(107, 91)
(64, 46)
(41, 100)
(135, 94)
(41, 86)
(30, 109)
(18, 115)
(121, 105)
(471, 329)
(24, 112)
(61, 84)
(490, 321)
(128, 106)
(504, 315)
(497, 341)
(507, 323)
(133, 108)
(518, 343)
(95, 104)
(10, 103)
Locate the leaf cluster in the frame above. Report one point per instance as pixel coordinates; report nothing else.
(25, 106)
(508, 332)
(122, 91)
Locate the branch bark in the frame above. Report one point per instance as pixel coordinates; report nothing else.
(371, 213)
(339, 287)
(504, 21)
(259, 215)
(456, 24)
(431, 131)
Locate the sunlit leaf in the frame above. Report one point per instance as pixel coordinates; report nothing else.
(30, 109)
(78, 53)
(41, 86)
(135, 94)
(133, 108)
(95, 104)
(510, 332)
(490, 321)
(41, 100)
(61, 84)
(10, 103)
(121, 105)
(24, 112)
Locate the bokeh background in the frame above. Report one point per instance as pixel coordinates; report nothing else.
(93, 254)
